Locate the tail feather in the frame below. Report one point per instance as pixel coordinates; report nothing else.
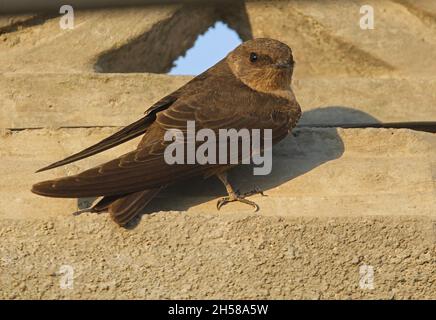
(104, 203)
(126, 208)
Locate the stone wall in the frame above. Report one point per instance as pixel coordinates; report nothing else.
(337, 200)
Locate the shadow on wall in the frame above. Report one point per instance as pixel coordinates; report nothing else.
(302, 151)
(156, 50)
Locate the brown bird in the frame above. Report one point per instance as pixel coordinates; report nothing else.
(249, 88)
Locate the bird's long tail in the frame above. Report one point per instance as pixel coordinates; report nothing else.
(125, 208)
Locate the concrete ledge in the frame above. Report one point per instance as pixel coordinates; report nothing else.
(54, 100)
(327, 40)
(337, 200)
(218, 256)
(136, 39)
(319, 172)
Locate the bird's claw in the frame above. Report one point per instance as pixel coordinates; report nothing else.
(256, 190)
(79, 212)
(236, 197)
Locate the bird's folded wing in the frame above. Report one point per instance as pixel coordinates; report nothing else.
(146, 168)
(127, 133)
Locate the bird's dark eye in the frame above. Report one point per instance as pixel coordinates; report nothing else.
(253, 57)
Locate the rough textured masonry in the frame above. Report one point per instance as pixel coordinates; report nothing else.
(349, 213)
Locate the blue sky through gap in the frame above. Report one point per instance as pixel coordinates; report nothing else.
(208, 49)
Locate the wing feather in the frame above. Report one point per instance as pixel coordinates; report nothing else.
(131, 131)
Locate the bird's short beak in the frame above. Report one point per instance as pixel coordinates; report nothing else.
(283, 65)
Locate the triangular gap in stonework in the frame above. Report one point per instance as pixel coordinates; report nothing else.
(159, 49)
(208, 49)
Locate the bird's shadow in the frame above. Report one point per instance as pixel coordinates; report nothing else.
(302, 151)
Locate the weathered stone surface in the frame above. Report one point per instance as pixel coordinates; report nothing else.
(14, 22)
(54, 100)
(336, 199)
(110, 40)
(228, 255)
(327, 40)
(423, 9)
(326, 37)
(45, 47)
(85, 99)
(320, 172)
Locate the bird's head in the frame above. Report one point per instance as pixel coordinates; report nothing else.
(263, 64)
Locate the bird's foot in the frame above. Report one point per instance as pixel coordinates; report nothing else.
(256, 190)
(90, 210)
(236, 197)
(79, 212)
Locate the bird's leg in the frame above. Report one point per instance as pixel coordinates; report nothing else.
(232, 195)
